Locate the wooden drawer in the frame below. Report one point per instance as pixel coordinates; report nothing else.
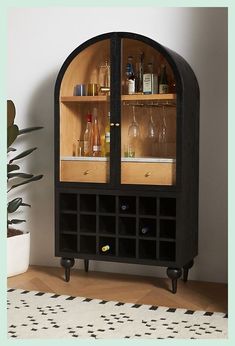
(84, 171)
(158, 173)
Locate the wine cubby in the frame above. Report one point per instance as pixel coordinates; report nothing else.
(107, 224)
(132, 198)
(127, 247)
(87, 244)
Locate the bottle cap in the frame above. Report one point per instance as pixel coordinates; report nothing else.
(89, 117)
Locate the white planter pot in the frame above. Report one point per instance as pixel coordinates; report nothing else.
(18, 248)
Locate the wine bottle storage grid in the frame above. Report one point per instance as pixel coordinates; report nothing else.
(133, 226)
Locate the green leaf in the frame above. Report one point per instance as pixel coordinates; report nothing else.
(11, 149)
(12, 133)
(11, 168)
(25, 153)
(11, 111)
(15, 221)
(37, 177)
(25, 205)
(14, 205)
(29, 129)
(19, 175)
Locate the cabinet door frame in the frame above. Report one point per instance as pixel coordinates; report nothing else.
(115, 109)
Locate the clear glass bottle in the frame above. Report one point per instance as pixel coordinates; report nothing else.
(87, 136)
(107, 137)
(96, 141)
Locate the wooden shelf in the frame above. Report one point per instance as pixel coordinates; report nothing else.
(123, 159)
(101, 98)
(149, 97)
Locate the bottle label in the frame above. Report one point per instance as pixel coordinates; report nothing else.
(96, 148)
(131, 86)
(147, 83)
(86, 147)
(107, 137)
(163, 88)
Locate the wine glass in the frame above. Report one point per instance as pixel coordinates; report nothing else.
(133, 134)
(163, 133)
(134, 129)
(152, 133)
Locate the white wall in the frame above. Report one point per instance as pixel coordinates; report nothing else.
(40, 39)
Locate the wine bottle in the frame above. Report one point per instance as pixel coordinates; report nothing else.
(144, 230)
(96, 142)
(107, 136)
(130, 76)
(124, 206)
(139, 73)
(87, 136)
(105, 248)
(163, 83)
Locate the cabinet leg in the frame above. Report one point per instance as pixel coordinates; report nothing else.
(67, 263)
(186, 270)
(86, 265)
(174, 274)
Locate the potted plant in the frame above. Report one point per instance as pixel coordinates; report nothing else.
(18, 242)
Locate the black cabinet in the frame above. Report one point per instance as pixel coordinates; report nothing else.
(136, 201)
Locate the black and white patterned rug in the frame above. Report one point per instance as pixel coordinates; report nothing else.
(45, 315)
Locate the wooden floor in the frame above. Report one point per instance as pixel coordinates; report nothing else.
(192, 295)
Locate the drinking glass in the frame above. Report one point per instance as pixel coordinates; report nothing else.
(134, 129)
(152, 134)
(163, 133)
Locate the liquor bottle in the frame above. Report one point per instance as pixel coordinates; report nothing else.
(105, 248)
(139, 73)
(107, 137)
(130, 76)
(150, 81)
(96, 142)
(87, 136)
(163, 83)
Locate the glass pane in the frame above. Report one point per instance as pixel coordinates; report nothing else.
(85, 116)
(148, 116)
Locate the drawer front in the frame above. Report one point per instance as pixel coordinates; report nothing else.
(158, 173)
(84, 172)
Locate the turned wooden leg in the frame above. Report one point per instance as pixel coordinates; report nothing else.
(86, 265)
(186, 270)
(174, 274)
(67, 263)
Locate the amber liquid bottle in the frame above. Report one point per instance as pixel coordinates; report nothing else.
(96, 141)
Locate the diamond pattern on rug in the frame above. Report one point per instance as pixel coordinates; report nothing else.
(44, 315)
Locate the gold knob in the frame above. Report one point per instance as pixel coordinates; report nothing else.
(86, 172)
(147, 174)
(112, 124)
(117, 124)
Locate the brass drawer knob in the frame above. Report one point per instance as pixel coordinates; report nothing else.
(147, 174)
(86, 172)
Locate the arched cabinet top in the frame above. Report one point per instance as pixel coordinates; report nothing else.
(93, 51)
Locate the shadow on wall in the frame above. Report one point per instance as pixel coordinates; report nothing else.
(40, 220)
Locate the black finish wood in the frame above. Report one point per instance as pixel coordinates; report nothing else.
(186, 270)
(86, 265)
(88, 214)
(67, 263)
(174, 274)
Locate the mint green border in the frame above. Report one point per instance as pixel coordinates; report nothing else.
(4, 7)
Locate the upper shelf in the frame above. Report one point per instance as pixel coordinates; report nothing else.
(135, 97)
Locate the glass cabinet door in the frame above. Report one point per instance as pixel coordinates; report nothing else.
(148, 116)
(85, 116)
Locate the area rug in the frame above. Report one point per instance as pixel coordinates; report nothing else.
(45, 315)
